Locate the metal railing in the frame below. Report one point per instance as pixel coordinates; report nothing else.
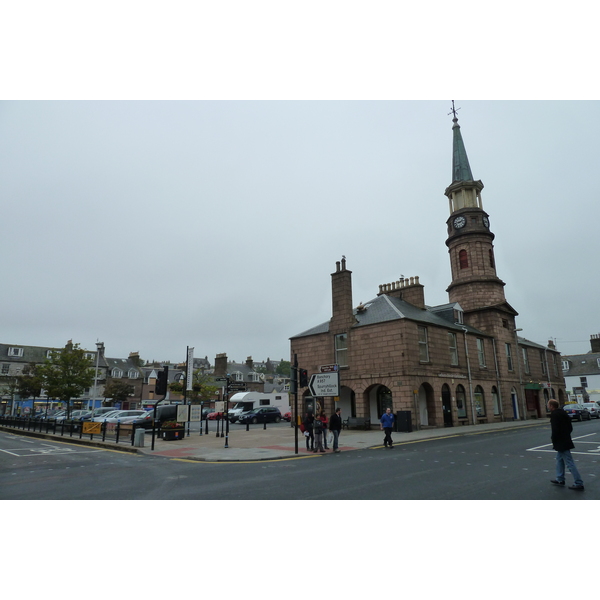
(103, 431)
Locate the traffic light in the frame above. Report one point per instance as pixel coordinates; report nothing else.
(294, 380)
(303, 378)
(160, 389)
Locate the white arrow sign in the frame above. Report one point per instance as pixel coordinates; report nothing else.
(324, 384)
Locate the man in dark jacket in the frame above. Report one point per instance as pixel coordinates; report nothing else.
(560, 423)
(335, 426)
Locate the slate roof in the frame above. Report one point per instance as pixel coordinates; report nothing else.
(582, 364)
(385, 308)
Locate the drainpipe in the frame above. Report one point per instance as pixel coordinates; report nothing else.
(498, 380)
(470, 379)
(524, 416)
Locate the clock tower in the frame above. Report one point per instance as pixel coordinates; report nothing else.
(475, 284)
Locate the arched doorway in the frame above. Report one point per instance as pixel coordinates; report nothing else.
(514, 399)
(447, 405)
(426, 404)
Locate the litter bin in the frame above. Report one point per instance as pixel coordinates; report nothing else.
(403, 421)
(138, 438)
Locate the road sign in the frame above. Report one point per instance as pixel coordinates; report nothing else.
(329, 368)
(324, 384)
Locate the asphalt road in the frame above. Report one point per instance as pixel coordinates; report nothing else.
(505, 465)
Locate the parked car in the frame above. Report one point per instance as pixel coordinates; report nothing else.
(103, 417)
(263, 414)
(577, 412)
(212, 416)
(164, 412)
(593, 408)
(123, 416)
(287, 416)
(97, 412)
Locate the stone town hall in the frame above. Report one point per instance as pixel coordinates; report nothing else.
(458, 363)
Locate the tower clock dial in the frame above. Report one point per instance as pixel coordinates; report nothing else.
(486, 222)
(459, 222)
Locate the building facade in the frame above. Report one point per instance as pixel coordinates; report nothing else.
(458, 363)
(582, 373)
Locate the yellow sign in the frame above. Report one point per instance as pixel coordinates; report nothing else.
(89, 427)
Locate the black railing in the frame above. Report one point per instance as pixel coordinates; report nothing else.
(112, 432)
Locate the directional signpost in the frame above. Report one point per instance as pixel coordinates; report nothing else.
(324, 384)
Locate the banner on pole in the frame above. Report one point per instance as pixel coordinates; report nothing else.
(190, 369)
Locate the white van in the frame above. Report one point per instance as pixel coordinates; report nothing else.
(245, 401)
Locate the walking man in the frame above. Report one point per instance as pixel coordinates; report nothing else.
(335, 426)
(561, 425)
(386, 425)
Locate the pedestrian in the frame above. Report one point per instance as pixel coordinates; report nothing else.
(318, 431)
(325, 422)
(561, 426)
(335, 426)
(308, 430)
(386, 425)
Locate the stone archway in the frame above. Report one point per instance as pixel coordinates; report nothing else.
(426, 404)
(377, 398)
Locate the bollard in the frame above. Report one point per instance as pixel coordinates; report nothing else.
(265, 425)
(139, 437)
(247, 425)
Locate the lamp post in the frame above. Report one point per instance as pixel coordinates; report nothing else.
(99, 346)
(524, 416)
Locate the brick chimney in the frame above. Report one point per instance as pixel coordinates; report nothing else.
(341, 295)
(409, 290)
(221, 365)
(595, 342)
(250, 363)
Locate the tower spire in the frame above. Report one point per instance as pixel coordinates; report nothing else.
(461, 170)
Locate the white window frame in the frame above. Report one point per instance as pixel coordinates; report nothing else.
(116, 373)
(423, 344)
(526, 366)
(132, 374)
(481, 352)
(341, 349)
(509, 358)
(453, 347)
(17, 352)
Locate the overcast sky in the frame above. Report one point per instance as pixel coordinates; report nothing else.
(154, 225)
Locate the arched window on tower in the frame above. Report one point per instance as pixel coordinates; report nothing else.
(491, 255)
(463, 259)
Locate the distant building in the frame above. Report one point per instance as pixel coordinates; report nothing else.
(458, 363)
(582, 373)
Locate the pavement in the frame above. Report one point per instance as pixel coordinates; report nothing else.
(275, 442)
(278, 442)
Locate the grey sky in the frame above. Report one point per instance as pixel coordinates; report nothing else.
(155, 225)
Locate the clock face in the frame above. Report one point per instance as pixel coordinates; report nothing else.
(459, 222)
(486, 221)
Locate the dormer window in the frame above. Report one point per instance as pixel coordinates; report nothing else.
(255, 377)
(565, 365)
(237, 376)
(116, 373)
(15, 352)
(133, 374)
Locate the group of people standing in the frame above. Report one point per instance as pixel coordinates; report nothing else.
(315, 430)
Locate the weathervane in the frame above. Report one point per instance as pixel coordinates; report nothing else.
(454, 110)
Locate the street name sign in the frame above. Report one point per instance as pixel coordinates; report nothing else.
(324, 384)
(329, 368)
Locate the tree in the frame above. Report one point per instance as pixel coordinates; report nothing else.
(30, 382)
(284, 368)
(118, 391)
(202, 390)
(67, 373)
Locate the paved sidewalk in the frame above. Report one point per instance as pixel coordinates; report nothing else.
(276, 443)
(273, 442)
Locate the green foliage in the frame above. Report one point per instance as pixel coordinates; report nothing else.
(119, 391)
(203, 387)
(284, 368)
(67, 373)
(30, 383)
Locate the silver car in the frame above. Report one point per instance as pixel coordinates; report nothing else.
(593, 408)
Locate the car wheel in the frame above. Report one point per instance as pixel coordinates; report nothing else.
(254, 421)
(277, 419)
